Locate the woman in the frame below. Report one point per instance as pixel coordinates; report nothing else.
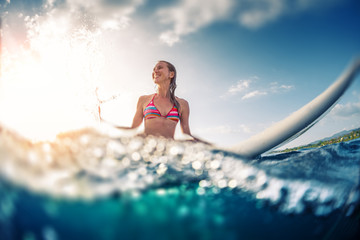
(163, 110)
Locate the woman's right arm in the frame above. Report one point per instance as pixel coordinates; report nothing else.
(184, 121)
(138, 117)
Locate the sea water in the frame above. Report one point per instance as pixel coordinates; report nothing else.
(95, 184)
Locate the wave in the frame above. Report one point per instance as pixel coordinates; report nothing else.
(93, 165)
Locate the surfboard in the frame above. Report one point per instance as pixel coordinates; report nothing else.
(300, 121)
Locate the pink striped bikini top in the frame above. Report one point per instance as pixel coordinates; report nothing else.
(152, 112)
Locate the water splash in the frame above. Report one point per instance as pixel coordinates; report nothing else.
(49, 79)
(90, 163)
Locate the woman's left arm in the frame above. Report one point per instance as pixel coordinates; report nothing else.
(184, 116)
(184, 120)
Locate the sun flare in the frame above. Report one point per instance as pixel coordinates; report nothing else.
(48, 83)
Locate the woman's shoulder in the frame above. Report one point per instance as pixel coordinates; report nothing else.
(182, 102)
(143, 101)
(146, 98)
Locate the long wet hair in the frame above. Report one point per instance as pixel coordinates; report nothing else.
(173, 85)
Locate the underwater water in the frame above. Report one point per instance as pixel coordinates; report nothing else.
(94, 184)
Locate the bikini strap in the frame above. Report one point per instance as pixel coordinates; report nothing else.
(152, 100)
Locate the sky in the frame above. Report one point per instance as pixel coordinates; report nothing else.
(242, 65)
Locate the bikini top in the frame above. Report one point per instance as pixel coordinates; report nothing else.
(152, 112)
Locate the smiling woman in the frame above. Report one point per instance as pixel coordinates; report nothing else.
(163, 110)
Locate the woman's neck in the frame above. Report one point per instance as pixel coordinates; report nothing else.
(163, 92)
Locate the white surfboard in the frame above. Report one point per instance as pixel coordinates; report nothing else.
(300, 121)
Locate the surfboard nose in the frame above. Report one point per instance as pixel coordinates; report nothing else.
(301, 120)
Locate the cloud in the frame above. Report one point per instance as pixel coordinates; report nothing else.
(177, 18)
(257, 13)
(276, 88)
(254, 94)
(348, 110)
(244, 87)
(241, 85)
(261, 12)
(188, 16)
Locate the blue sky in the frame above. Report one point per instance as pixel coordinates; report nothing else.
(242, 65)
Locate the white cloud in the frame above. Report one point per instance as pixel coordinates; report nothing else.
(261, 12)
(240, 86)
(258, 13)
(254, 94)
(4, 4)
(49, 3)
(245, 88)
(276, 88)
(181, 17)
(188, 16)
(116, 23)
(346, 110)
(169, 37)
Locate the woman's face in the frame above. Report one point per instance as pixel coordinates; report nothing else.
(161, 73)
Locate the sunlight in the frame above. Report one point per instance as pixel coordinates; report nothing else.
(48, 84)
(52, 65)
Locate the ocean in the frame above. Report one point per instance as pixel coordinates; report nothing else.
(98, 184)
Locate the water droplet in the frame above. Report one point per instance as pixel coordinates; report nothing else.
(29, 236)
(84, 140)
(200, 191)
(160, 191)
(32, 157)
(196, 165)
(46, 147)
(135, 156)
(204, 183)
(232, 183)
(162, 169)
(98, 152)
(49, 233)
(222, 183)
(215, 164)
(142, 171)
(125, 162)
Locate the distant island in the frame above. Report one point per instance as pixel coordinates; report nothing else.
(337, 138)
